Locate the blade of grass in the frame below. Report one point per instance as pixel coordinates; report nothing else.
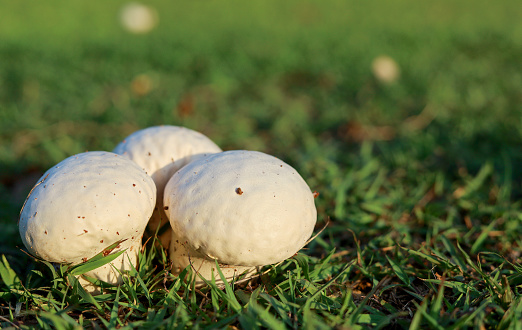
(140, 281)
(263, 316)
(399, 271)
(8, 275)
(478, 180)
(416, 321)
(314, 296)
(231, 297)
(482, 237)
(94, 263)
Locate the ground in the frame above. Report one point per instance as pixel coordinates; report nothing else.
(404, 117)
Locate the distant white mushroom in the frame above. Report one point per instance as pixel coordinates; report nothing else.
(84, 204)
(385, 69)
(138, 18)
(245, 209)
(161, 151)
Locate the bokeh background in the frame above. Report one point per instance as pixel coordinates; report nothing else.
(429, 91)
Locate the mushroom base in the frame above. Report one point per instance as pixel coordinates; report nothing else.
(183, 256)
(112, 272)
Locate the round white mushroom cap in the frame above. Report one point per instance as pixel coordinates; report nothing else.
(243, 208)
(83, 205)
(161, 151)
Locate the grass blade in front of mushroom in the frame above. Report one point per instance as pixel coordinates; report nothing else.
(100, 259)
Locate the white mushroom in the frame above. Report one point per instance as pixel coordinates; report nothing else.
(385, 69)
(244, 209)
(138, 18)
(84, 204)
(161, 151)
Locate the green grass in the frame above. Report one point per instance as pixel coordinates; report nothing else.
(417, 179)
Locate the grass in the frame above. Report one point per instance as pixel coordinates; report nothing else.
(418, 178)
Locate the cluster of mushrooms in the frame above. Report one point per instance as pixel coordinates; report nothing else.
(243, 209)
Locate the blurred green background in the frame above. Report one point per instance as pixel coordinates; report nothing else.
(297, 79)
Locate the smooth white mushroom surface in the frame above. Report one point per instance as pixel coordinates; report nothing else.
(83, 205)
(241, 208)
(161, 151)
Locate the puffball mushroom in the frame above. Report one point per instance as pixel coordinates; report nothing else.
(161, 151)
(245, 209)
(84, 204)
(138, 18)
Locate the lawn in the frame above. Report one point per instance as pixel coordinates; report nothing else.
(419, 191)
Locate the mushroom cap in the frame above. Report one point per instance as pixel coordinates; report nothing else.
(243, 208)
(84, 204)
(161, 151)
(156, 149)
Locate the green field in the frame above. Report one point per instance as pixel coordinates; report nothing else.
(419, 188)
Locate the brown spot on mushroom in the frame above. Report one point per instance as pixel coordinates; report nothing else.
(165, 208)
(239, 191)
(128, 215)
(134, 185)
(315, 194)
(117, 233)
(101, 241)
(45, 232)
(79, 217)
(84, 259)
(83, 217)
(85, 231)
